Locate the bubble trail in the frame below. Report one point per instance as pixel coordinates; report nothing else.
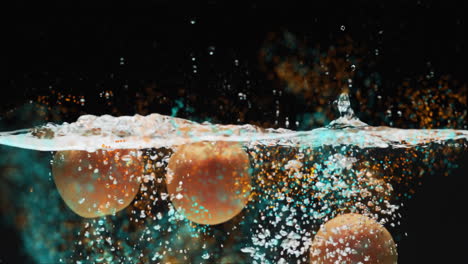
(91, 132)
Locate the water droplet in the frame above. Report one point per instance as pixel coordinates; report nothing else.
(344, 105)
(206, 256)
(211, 50)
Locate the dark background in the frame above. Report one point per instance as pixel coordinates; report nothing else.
(77, 50)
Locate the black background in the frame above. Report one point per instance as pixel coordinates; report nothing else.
(74, 47)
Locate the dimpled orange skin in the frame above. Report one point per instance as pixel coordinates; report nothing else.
(95, 184)
(353, 238)
(209, 182)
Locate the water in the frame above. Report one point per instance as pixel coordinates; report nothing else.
(300, 180)
(91, 132)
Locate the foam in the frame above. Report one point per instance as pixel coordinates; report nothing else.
(91, 132)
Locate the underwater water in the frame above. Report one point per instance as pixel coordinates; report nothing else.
(298, 181)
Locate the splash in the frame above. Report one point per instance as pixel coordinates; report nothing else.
(347, 117)
(300, 179)
(91, 132)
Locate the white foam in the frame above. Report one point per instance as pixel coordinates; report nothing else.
(154, 131)
(91, 132)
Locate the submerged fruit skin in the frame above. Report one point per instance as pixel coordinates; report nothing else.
(209, 182)
(353, 238)
(95, 184)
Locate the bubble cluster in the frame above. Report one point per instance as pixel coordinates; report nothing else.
(219, 193)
